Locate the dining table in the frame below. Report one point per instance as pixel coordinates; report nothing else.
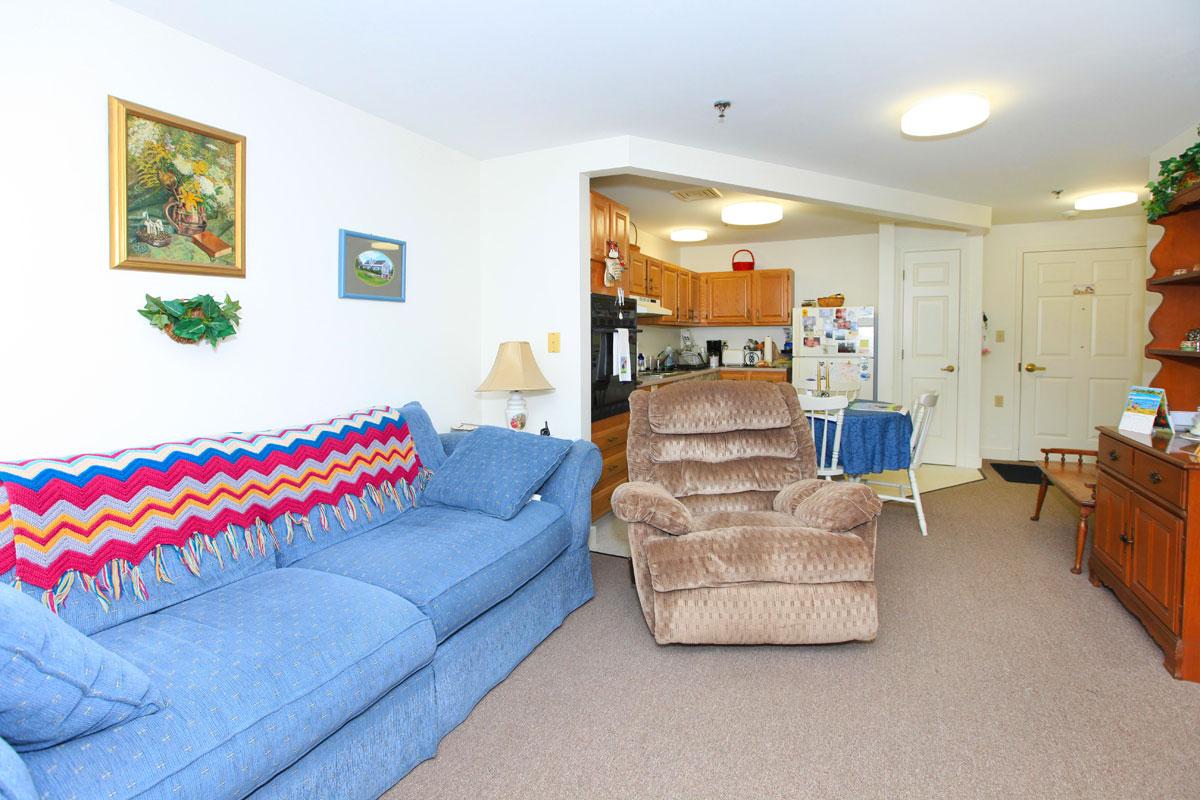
(872, 441)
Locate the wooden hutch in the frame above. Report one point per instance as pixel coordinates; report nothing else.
(1146, 541)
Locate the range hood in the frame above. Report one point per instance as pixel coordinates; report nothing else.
(650, 307)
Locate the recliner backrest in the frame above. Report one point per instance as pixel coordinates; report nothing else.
(720, 445)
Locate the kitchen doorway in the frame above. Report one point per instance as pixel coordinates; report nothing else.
(1082, 327)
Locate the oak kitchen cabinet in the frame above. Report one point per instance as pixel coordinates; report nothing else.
(771, 296)
(637, 271)
(726, 297)
(609, 222)
(670, 293)
(609, 435)
(1146, 541)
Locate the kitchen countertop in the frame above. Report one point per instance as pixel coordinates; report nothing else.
(672, 377)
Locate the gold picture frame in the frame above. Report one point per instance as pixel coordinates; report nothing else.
(177, 193)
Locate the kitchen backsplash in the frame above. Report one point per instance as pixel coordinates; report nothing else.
(653, 338)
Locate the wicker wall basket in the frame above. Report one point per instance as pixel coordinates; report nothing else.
(832, 301)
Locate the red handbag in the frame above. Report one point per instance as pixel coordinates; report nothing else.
(742, 266)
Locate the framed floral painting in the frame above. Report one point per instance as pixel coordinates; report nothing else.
(178, 193)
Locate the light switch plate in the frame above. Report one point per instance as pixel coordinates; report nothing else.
(554, 343)
(999, 336)
(998, 400)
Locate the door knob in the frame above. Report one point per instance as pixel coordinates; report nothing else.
(1031, 367)
(948, 368)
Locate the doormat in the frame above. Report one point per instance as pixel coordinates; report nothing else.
(1018, 473)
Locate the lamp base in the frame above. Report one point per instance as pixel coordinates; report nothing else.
(516, 411)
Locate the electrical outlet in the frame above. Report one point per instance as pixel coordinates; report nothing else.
(1000, 336)
(998, 400)
(554, 343)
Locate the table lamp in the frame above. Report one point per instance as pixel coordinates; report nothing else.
(515, 371)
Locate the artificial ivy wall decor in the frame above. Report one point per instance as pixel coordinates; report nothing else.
(192, 321)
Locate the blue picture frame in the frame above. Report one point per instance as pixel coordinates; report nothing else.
(355, 278)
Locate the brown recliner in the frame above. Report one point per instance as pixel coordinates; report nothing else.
(733, 539)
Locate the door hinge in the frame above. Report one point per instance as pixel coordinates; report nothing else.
(903, 275)
(901, 353)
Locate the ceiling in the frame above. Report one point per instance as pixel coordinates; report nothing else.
(1081, 90)
(655, 210)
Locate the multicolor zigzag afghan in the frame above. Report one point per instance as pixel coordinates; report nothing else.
(90, 520)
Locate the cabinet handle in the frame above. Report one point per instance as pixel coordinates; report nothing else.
(1112, 455)
(1126, 538)
(1155, 477)
(612, 439)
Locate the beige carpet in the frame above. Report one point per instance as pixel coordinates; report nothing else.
(996, 674)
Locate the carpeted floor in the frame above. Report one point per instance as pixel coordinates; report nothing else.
(996, 674)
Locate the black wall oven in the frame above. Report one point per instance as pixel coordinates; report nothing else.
(610, 396)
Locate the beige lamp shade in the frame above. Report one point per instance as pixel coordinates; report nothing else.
(514, 370)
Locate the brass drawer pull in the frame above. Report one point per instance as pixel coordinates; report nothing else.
(1126, 539)
(1112, 456)
(1155, 477)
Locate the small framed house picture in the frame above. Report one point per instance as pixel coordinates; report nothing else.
(371, 267)
(177, 193)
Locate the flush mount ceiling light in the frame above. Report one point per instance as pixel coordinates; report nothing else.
(1101, 200)
(755, 212)
(689, 235)
(948, 113)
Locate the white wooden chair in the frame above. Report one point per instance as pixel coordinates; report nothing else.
(923, 411)
(831, 411)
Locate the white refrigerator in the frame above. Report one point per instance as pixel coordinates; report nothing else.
(839, 341)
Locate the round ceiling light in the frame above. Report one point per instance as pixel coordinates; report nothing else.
(1101, 200)
(949, 113)
(689, 235)
(755, 212)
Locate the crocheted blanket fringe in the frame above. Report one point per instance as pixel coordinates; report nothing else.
(119, 577)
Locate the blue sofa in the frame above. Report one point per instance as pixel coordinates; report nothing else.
(333, 669)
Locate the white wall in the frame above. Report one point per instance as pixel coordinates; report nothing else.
(656, 246)
(1003, 250)
(86, 372)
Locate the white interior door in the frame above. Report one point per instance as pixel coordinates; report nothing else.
(929, 352)
(1081, 330)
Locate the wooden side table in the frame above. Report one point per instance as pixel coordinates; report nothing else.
(1077, 480)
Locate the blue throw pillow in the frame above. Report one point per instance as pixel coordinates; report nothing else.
(495, 471)
(55, 683)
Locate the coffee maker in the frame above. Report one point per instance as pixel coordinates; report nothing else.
(715, 347)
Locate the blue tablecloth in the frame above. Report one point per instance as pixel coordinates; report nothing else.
(871, 442)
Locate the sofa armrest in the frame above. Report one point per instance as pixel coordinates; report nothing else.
(15, 781)
(570, 488)
(452, 439)
(652, 504)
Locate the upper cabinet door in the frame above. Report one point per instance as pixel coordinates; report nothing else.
(601, 210)
(637, 273)
(697, 316)
(683, 290)
(670, 293)
(772, 298)
(654, 278)
(618, 228)
(727, 298)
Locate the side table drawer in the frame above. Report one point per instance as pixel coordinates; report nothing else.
(1160, 478)
(1115, 455)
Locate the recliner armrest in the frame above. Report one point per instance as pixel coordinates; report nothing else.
(652, 504)
(829, 506)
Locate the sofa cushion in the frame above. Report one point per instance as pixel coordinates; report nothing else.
(495, 471)
(15, 782)
(727, 556)
(253, 674)
(452, 564)
(56, 684)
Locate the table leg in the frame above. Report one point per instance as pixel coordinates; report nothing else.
(1081, 538)
(1037, 511)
